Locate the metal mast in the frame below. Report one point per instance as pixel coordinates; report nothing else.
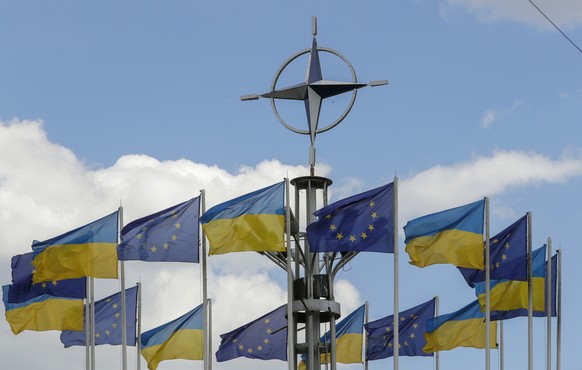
(311, 275)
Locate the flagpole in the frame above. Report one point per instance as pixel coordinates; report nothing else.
(206, 351)
(549, 307)
(559, 312)
(366, 337)
(87, 326)
(529, 295)
(396, 318)
(487, 289)
(123, 305)
(92, 310)
(436, 313)
(501, 345)
(291, 358)
(138, 337)
(209, 315)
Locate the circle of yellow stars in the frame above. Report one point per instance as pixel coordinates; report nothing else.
(165, 246)
(251, 349)
(352, 237)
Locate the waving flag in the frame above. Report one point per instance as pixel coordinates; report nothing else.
(362, 223)
(170, 235)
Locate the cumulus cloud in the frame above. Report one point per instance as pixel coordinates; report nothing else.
(443, 187)
(46, 190)
(567, 14)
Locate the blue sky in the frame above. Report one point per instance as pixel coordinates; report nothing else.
(138, 102)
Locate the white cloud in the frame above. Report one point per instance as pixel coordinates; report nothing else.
(567, 14)
(489, 116)
(443, 187)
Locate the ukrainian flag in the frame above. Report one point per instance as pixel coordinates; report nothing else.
(506, 295)
(453, 236)
(90, 250)
(349, 340)
(463, 328)
(182, 338)
(252, 222)
(43, 312)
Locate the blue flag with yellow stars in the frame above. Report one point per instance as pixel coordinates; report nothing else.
(170, 235)
(108, 321)
(411, 329)
(23, 289)
(361, 223)
(264, 338)
(508, 251)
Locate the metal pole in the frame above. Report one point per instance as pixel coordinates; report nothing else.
(123, 304)
(396, 273)
(291, 357)
(529, 295)
(92, 310)
(366, 337)
(87, 326)
(501, 345)
(206, 341)
(487, 289)
(209, 315)
(436, 313)
(549, 307)
(138, 337)
(559, 313)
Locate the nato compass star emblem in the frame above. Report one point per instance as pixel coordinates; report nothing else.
(313, 91)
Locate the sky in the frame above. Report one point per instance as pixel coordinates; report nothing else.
(138, 103)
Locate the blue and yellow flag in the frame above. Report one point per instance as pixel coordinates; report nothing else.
(453, 236)
(23, 289)
(509, 314)
(508, 252)
(411, 329)
(108, 322)
(182, 338)
(361, 223)
(505, 295)
(170, 235)
(252, 222)
(43, 312)
(463, 328)
(264, 339)
(349, 339)
(90, 250)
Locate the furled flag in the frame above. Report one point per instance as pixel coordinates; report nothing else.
(507, 295)
(42, 312)
(349, 340)
(23, 289)
(182, 338)
(453, 236)
(509, 314)
(108, 322)
(264, 338)
(55, 305)
(361, 223)
(170, 235)
(87, 251)
(463, 328)
(411, 329)
(508, 252)
(252, 222)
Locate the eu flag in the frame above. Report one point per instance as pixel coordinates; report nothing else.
(360, 223)
(264, 338)
(411, 329)
(508, 251)
(23, 289)
(108, 321)
(170, 235)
